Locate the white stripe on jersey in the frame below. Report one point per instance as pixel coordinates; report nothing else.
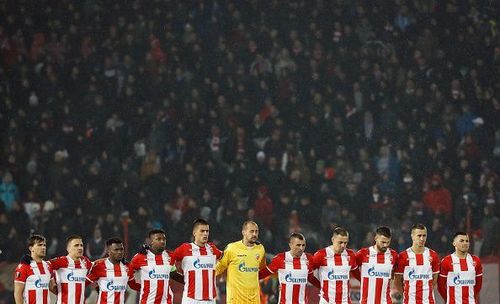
(202, 268)
(457, 277)
(414, 273)
(289, 277)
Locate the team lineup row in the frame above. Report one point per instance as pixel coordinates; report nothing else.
(415, 272)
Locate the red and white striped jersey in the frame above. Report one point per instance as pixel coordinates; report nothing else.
(334, 273)
(293, 276)
(70, 278)
(463, 278)
(112, 281)
(154, 271)
(198, 266)
(376, 273)
(36, 278)
(417, 270)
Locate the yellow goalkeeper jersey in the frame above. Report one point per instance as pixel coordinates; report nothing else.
(243, 264)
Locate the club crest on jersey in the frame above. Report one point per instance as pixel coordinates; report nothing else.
(257, 256)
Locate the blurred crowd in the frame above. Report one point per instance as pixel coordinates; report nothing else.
(301, 115)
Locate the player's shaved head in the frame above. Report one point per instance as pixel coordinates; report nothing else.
(247, 223)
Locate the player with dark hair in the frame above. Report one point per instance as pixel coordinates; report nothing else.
(33, 274)
(335, 263)
(294, 269)
(377, 264)
(197, 261)
(461, 275)
(112, 274)
(155, 266)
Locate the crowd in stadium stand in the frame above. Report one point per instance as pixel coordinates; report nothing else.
(300, 115)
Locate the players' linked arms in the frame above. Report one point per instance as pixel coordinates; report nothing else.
(176, 276)
(222, 264)
(53, 286)
(398, 282)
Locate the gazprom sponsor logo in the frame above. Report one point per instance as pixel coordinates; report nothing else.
(243, 268)
(198, 265)
(158, 276)
(72, 278)
(380, 274)
(289, 278)
(40, 284)
(422, 276)
(458, 281)
(332, 276)
(111, 287)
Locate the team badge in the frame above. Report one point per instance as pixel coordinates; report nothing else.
(257, 256)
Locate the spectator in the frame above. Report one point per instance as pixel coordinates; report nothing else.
(8, 191)
(437, 198)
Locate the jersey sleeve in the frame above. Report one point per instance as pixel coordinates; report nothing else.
(133, 265)
(435, 262)
(216, 251)
(478, 266)
(57, 263)
(352, 260)
(262, 258)
(310, 262)
(402, 262)
(276, 263)
(479, 275)
(318, 259)
(395, 258)
(360, 256)
(173, 258)
(96, 272)
(223, 263)
(178, 253)
(445, 268)
(88, 262)
(21, 273)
